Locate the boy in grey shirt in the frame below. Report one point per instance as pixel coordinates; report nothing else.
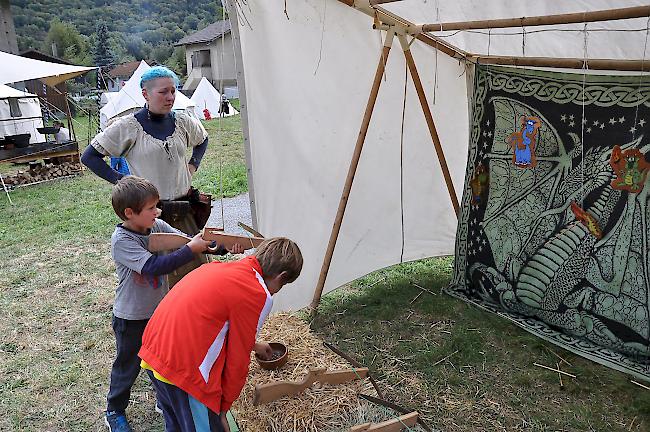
(142, 283)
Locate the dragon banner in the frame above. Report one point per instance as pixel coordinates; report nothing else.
(554, 232)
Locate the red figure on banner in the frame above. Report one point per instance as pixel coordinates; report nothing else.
(206, 114)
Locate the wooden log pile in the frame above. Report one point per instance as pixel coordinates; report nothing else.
(39, 172)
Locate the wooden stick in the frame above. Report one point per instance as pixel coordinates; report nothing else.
(554, 370)
(444, 358)
(559, 375)
(558, 356)
(355, 363)
(265, 393)
(393, 425)
(640, 385)
(424, 289)
(229, 240)
(249, 229)
(327, 260)
(570, 18)
(569, 63)
(430, 123)
(377, 2)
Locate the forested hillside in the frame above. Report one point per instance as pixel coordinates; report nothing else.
(137, 29)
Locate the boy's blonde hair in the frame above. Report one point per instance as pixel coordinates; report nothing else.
(279, 254)
(132, 192)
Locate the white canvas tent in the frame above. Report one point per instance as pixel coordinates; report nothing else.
(305, 84)
(16, 68)
(206, 96)
(130, 98)
(20, 113)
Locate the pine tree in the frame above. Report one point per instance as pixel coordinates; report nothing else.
(102, 53)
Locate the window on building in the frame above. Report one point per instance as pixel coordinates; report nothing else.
(201, 58)
(14, 108)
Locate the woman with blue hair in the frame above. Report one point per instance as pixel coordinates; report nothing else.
(154, 141)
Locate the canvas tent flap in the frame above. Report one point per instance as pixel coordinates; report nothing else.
(130, 98)
(16, 68)
(303, 130)
(207, 97)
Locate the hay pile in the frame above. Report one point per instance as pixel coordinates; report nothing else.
(320, 408)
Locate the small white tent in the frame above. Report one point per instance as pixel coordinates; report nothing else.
(130, 99)
(207, 97)
(20, 113)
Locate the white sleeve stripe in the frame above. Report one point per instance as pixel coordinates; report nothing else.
(213, 353)
(268, 304)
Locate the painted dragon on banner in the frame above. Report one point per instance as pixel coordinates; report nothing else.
(555, 221)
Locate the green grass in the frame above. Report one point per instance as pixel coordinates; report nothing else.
(465, 369)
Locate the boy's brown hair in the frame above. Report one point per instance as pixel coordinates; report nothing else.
(132, 192)
(280, 254)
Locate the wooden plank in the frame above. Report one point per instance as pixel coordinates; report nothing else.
(159, 242)
(393, 425)
(38, 151)
(272, 391)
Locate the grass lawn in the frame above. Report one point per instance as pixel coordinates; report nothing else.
(56, 291)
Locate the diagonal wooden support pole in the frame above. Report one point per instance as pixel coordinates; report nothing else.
(4, 186)
(352, 170)
(429, 118)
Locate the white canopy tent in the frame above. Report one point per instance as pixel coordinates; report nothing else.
(305, 84)
(207, 97)
(16, 68)
(20, 113)
(130, 99)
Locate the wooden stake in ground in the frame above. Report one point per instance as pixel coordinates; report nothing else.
(336, 228)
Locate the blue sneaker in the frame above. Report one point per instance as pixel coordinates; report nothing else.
(117, 422)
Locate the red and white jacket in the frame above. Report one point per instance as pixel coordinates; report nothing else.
(201, 335)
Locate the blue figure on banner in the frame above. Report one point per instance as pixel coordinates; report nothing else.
(119, 164)
(523, 142)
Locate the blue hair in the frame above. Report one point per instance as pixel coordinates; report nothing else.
(158, 72)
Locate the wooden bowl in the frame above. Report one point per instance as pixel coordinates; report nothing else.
(280, 354)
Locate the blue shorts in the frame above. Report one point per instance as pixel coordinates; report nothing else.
(182, 412)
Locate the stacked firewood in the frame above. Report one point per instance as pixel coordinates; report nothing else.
(39, 172)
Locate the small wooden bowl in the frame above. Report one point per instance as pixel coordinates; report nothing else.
(278, 350)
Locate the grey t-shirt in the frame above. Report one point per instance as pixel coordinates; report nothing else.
(137, 295)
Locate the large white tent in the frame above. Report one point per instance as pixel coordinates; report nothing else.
(305, 82)
(207, 97)
(20, 113)
(130, 98)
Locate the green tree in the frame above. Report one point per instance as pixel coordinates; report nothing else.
(70, 45)
(102, 53)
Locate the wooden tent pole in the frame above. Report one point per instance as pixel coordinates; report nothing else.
(327, 260)
(571, 18)
(569, 63)
(430, 123)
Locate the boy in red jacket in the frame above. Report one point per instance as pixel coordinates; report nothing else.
(196, 347)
